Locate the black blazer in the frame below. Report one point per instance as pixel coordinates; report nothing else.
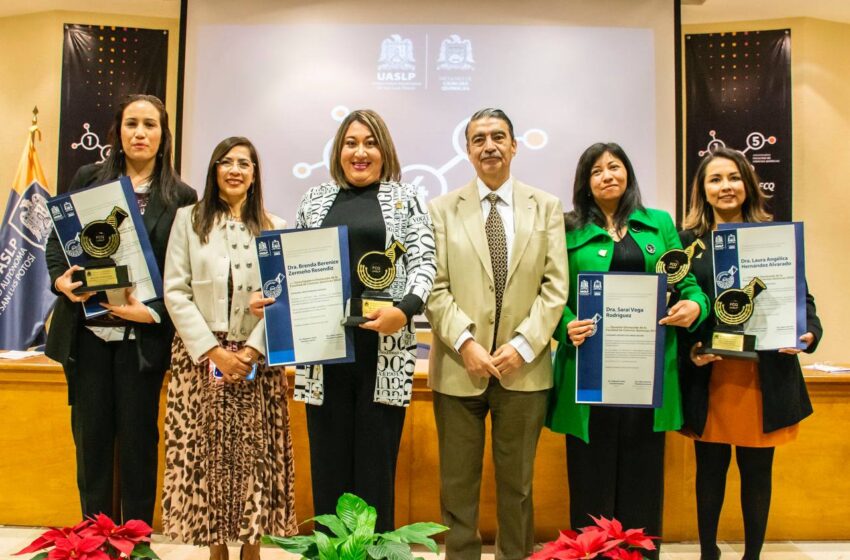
(153, 341)
(786, 400)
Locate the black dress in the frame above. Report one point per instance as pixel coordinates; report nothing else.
(354, 441)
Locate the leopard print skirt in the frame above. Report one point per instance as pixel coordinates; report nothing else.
(229, 470)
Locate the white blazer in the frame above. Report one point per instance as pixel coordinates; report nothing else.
(195, 284)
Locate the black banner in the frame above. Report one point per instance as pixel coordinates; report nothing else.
(739, 96)
(101, 65)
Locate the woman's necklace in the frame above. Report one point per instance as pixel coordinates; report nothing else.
(614, 232)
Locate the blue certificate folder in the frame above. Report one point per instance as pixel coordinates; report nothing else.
(66, 221)
(593, 384)
(280, 336)
(727, 266)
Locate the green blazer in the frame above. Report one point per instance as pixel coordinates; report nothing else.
(590, 250)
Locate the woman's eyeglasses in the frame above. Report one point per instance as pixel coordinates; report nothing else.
(240, 164)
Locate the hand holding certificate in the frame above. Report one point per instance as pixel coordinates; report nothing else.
(307, 272)
(621, 361)
(101, 230)
(759, 271)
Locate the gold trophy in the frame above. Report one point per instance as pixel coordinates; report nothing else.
(376, 270)
(100, 240)
(676, 263)
(733, 308)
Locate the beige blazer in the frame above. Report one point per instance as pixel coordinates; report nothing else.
(463, 294)
(195, 284)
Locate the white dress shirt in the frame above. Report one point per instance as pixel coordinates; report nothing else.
(505, 208)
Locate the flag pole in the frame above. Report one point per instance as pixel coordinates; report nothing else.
(34, 127)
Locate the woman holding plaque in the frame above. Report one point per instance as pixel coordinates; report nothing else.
(355, 411)
(228, 450)
(115, 363)
(754, 406)
(615, 455)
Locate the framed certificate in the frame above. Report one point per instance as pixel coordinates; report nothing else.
(100, 228)
(766, 263)
(307, 272)
(622, 362)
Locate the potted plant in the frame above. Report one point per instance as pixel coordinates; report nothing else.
(605, 539)
(94, 538)
(354, 536)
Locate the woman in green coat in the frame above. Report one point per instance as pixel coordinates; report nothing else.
(615, 455)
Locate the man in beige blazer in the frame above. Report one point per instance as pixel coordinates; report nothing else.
(500, 289)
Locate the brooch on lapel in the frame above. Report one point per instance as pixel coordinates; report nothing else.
(603, 252)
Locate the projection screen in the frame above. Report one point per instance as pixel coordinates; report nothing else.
(568, 73)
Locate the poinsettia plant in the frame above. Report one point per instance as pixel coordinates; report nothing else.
(94, 538)
(605, 539)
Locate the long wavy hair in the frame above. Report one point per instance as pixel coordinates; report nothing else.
(212, 207)
(390, 167)
(700, 216)
(164, 177)
(585, 210)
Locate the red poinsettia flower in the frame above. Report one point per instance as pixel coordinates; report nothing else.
(75, 547)
(590, 543)
(549, 549)
(634, 538)
(123, 537)
(49, 537)
(624, 554)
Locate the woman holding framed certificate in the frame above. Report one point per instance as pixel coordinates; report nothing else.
(228, 450)
(753, 405)
(115, 363)
(355, 411)
(615, 455)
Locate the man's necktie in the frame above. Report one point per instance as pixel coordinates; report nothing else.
(495, 230)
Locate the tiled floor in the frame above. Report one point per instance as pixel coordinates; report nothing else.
(13, 539)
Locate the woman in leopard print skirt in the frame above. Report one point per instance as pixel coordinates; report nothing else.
(228, 451)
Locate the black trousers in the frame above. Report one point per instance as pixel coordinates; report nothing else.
(115, 410)
(620, 473)
(354, 441)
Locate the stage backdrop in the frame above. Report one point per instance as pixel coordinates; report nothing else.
(288, 73)
(101, 65)
(739, 96)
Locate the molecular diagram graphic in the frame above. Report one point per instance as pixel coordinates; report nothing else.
(533, 138)
(755, 141)
(89, 141)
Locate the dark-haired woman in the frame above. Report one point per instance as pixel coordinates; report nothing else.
(355, 412)
(115, 363)
(228, 450)
(615, 455)
(754, 406)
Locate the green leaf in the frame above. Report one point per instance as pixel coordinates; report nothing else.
(39, 556)
(300, 544)
(417, 533)
(327, 551)
(390, 550)
(142, 550)
(349, 508)
(367, 519)
(333, 523)
(352, 548)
